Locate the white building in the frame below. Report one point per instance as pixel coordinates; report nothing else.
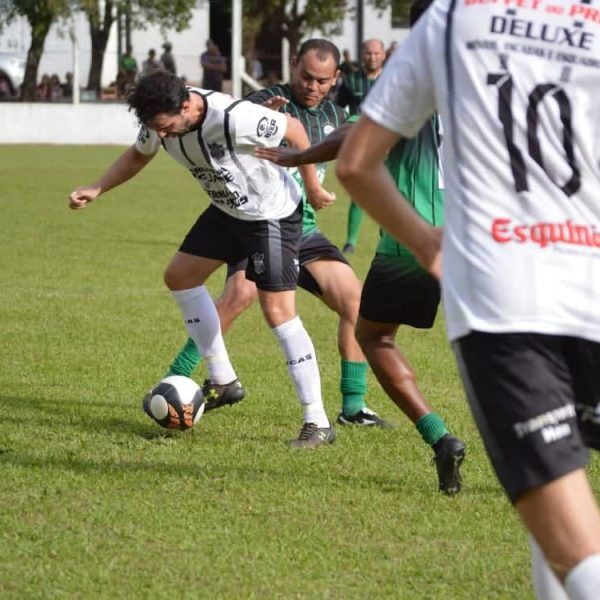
(187, 45)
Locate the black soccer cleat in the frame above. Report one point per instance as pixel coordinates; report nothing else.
(449, 455)
(364, 418)
(311, 436)
(217, 395)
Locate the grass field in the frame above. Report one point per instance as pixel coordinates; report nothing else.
(96, 501)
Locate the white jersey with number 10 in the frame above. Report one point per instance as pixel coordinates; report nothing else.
(517, 84)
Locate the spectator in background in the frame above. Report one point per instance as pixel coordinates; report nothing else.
(167, 59)
(151, 63)
(67, 86)
(347, 66)
(56, 92)
(214, 67)
(42, 90)
(128, 70)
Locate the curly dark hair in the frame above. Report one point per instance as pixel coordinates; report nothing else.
(323, 49)
(158, 92)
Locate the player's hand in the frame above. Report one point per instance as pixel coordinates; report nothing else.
(320, 198)
(275, 103)
(82, 196)
(284, 157)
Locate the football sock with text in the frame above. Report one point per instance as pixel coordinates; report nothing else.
(353, 385)
(431, 427)
(202, 322)
(302, 366)
(186, 360)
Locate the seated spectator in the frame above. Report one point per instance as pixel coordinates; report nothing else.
(151, 63)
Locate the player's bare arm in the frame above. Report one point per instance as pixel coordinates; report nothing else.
(129, 164)
(323, 151)
(296, 137)
(361, 170)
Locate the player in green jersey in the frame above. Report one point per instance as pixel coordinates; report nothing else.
(353, 90)
(397, 290)
(323, 269)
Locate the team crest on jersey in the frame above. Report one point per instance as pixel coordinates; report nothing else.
(258, 258)
(143, 135)
(216, 150)
(267, 128)
(328, 129)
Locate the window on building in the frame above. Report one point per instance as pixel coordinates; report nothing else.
(400, 13)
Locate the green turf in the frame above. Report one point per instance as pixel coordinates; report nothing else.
(97, 501)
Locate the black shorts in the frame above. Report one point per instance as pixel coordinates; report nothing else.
(397, 290)
(313, 246)
(269, 248)
(536, 401)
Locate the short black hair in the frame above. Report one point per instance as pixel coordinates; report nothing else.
(158, 92)
(417, 8)
(322, 48)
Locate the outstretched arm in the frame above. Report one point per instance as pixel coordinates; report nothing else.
(323, 151)
(296, 137)
(129, 164)
(361, 170)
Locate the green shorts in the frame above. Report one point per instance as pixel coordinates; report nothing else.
(397, 290)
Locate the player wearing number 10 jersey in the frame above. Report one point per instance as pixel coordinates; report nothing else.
(516, 87)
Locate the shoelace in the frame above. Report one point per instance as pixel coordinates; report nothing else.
(307, 431)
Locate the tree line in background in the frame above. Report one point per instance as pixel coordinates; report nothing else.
(289, 19)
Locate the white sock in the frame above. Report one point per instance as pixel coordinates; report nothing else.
(302, 366)
(202, 321)
(583, 580)
(545, 583)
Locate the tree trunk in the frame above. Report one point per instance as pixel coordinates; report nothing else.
(99, 37)
(39, 30)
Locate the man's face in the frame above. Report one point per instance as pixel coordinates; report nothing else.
(167, 125)
(311, 78)
(372, 56)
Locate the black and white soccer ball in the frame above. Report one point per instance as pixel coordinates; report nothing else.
(176, 402)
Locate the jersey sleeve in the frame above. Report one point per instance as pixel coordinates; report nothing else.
(254, 125)
(258, 97)
(147, 141)
(403, 97)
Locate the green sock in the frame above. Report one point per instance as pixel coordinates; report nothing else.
(186, 361)
(431, 427)
(353, 386)
(355, 215)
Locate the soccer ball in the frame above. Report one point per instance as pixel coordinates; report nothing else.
(175, 403)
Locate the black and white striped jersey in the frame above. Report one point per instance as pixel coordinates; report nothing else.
(516, 85)
(219, 153)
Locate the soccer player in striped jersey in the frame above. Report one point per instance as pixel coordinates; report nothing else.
(255, 213)
(353, 90)
(397, 290)
(516, 87)
(323, 270)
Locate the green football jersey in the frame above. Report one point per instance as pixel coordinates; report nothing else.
(414, 165)
(318, 122)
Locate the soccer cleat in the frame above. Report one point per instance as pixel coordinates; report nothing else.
(217, 395)
(311, 436)
(364, 418)
(348, 248)
(449, 455)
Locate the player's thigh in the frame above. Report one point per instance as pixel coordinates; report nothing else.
(520, 390)
(186, 271)
(272, 250)
(238, 291)
(369, 332)
(398, 290)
